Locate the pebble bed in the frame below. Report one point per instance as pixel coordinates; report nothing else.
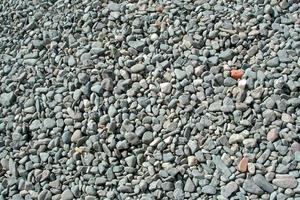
(170, 99)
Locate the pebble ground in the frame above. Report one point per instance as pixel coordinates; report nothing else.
(181, 99)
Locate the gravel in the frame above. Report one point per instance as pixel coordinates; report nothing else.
(149, 99)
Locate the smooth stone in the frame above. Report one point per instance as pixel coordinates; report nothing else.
(261, 181)
(49, 123)
(67, 195)
(137, 68)
(285, 181)
(251, 187)
(209, 189)
(229, 189)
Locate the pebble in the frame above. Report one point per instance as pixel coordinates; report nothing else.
(229, 189)
(137, 68)
(236, 138)
(180, 74)
(251, 187)
(7, 99)
(243, 164)
(189, 186)
(273, 62)
(221, 166)
(209, 189)
(49, 123)
(272, 135)
(67, 195)
(285, 181)
(166, 88)
(227, 54)
(263, 183)
(192, 160)
(236, 74)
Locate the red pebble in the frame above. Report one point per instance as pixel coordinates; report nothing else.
(236, 74)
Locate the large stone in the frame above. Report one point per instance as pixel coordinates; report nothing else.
(285, 181)
(261, 181)
(251, 187)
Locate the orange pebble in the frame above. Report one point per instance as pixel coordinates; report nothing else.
(236, 73)
(243, 165)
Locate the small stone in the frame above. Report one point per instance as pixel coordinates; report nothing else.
(180, 74)
(242, 84)
(192, 160)
(189, 185)
(272, 135)
(166, 88)
(287, 118)
(209, 189)
(228, 82)
(49, 123)
(83, 78)
(274, 62)
(100, 181)
(132, 138)
(295, 147)
(30, 62)
(107, 84)
(167, 186)
(251, 168)
(124, 189)
(96, 88)
(236, 138)
(243, 165)
(252, 51)
(138, 45)
(71, 61)
(67, 195)
(226, 55)
(297, 156)
(215, 106)
(44, 156)
(137, 68)
(264, 156)
(131, 161)
(147, 137)
(229, 189)
(228, 105)
(7, 99)
(251, 187)
(250, 142)
(236, 74)
(76, 136)
(35, 125)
